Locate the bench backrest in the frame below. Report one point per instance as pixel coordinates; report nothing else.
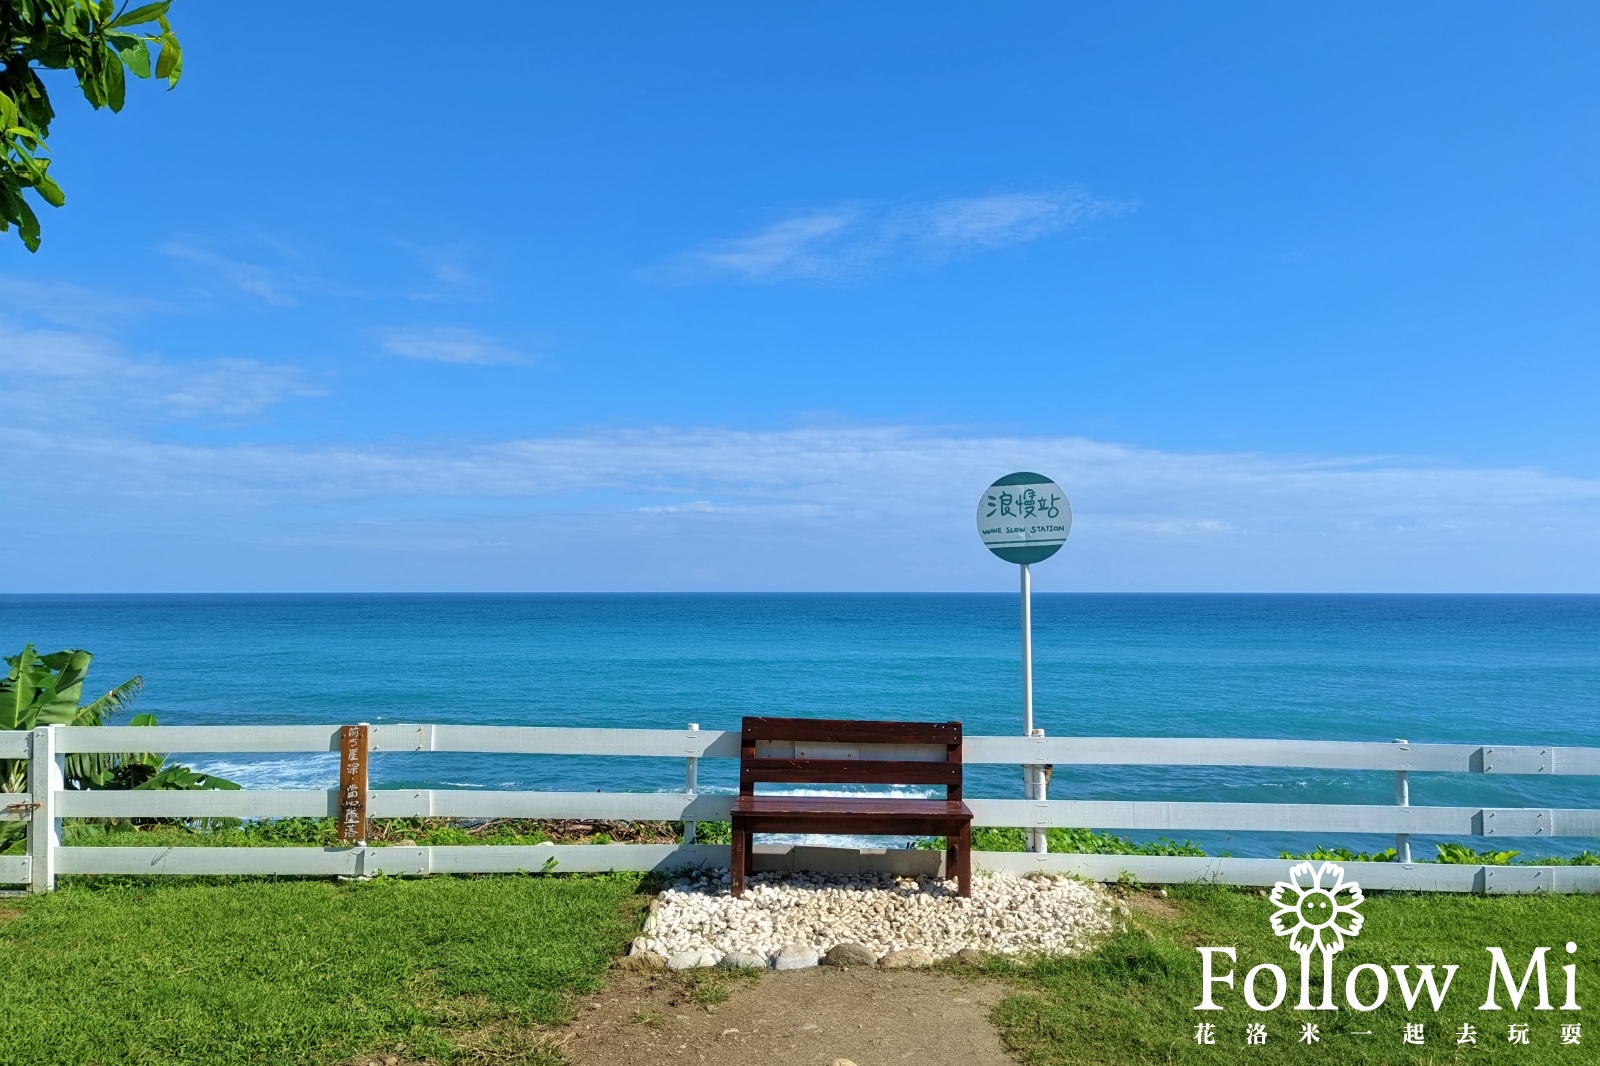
(847, 751)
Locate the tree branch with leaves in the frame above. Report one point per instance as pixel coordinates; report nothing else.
(101, 44)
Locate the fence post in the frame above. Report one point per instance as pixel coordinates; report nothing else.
(1038, 837)
(45, 779)
(691, 778)
(1402, 798)
(352, 806)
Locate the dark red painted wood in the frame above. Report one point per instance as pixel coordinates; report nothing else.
(886, 805)
(949, 817)
(851, 731)
(856, 823)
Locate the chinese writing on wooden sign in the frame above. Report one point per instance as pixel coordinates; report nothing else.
(353, 784)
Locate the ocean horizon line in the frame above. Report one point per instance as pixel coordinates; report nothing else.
(746, 593)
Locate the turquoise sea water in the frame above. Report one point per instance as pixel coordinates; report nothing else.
(1474, 669)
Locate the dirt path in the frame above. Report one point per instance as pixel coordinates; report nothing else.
(797, 1017)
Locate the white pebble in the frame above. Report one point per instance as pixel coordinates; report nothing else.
(806, 915)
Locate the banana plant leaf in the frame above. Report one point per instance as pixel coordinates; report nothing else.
(48, 690)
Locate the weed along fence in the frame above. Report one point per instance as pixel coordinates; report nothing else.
(47, 803)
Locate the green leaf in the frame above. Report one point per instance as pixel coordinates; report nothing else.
(140, 15)
(170, 64)
(28, 228)
(18, 689)
(181, 777)
(137, 57)
(168, 59)
(104, 708)
(116, 84)
(51, 192)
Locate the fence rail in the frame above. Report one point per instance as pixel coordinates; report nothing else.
(720, 744)
(48, 802)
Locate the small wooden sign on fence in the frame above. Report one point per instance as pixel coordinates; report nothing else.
(353, 784)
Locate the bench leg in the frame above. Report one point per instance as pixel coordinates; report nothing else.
(952, 853)
(736, 862)
(964, 860)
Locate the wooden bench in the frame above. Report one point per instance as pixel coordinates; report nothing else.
(796, 751)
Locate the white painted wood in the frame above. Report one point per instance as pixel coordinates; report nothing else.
(1402, 798)
(1517, 880)
(13, 744)
(600, 806)
(396, 803)
(289, 862)
(691, 782)
(245, 803)
(415, 862)
(1523, 822)
(200, 738)
(672, 743)
(1270, 817)
(1160, 869)
(45, 782)
(1514, 760)
(46, 747)
(16, 806)
(543, 740)
(533, 740)
(1318, 754)
(678, 806)
(1582, 761)
(17, 869)
(578, 858)
(1417, 877)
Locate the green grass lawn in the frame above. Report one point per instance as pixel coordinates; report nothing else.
(187, 970)
(1133, 1001)
(466, 969)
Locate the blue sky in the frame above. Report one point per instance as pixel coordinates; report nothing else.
(710, 297)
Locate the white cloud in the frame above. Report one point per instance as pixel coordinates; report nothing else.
(271, 286)
(94, 375)
(806, 246)
(996, 221)
(66, 304)
(847, 241)
(448, 344)
(446, 266)
(841, 508)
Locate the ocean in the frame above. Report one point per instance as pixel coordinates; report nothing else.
(1469, 669)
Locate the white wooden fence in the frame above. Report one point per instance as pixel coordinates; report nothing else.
(47, 803)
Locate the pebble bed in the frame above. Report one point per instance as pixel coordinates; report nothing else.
(784, 918)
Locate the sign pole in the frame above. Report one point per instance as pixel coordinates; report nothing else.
(1024, 518)
(1032, 776)
(1029, 773)
(1027, 652)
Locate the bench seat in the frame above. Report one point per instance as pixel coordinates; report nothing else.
(838, 751)
(868, 815)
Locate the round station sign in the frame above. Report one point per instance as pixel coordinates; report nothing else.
(1024, 518)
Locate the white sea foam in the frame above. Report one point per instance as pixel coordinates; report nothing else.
(316, 771)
